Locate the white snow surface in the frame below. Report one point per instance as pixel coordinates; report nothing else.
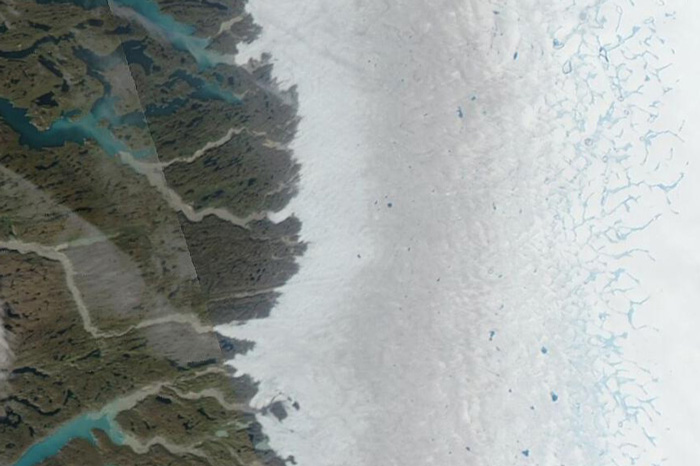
(500, 203)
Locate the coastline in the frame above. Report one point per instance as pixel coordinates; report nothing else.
(497, 258)
(471, 330)
(305, 324)
(137, 174)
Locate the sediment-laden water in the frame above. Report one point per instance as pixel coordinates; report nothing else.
(490, 259)
(137, 173)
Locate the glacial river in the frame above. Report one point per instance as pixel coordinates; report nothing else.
(97, 125)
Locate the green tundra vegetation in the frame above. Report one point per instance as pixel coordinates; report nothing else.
(138, 163)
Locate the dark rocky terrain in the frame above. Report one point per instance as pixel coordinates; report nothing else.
(137, 166)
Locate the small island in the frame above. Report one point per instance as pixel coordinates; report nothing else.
(138, 165)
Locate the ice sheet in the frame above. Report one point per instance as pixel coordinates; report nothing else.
(499, 211)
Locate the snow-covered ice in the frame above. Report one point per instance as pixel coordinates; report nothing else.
(498, 201)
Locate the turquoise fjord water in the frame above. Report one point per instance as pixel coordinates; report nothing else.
(90, 126)
(62, 130)
(180, 35)
(79, 428)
